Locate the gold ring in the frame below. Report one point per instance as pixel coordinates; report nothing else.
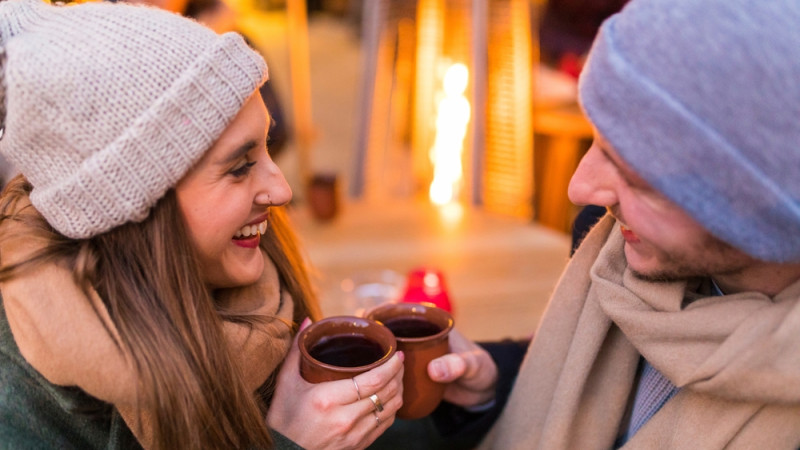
(358, 393)
(377, 402)
(377, 419)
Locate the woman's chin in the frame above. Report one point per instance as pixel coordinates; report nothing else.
(243, 275)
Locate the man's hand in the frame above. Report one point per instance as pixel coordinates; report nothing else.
(469, 371)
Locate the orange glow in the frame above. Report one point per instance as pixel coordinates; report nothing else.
(452, 118)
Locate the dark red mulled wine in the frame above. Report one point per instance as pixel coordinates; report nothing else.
(346, 350)
(411, 327)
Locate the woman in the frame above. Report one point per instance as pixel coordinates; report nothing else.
(150, 285)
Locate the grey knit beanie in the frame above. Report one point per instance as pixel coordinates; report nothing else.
(702, 99)
(107, 105)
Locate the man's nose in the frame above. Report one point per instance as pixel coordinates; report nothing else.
(593, 180)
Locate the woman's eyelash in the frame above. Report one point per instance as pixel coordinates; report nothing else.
(243, 170)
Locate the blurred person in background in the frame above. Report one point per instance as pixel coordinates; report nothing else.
(567, 29)
(217, 15)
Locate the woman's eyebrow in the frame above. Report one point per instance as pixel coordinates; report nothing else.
(239, 152)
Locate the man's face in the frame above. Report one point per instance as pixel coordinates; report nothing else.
(662, 242)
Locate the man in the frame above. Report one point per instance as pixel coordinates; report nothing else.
(677, 322)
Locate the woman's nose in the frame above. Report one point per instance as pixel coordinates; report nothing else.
(273, 190)
(593, 180)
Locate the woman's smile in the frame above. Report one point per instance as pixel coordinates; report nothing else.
(249, 235)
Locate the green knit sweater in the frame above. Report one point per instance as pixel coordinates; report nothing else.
(36, 414)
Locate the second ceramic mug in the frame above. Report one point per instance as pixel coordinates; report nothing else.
(422, 335)
(342, 347)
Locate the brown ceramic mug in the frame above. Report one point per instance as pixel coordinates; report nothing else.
(323, 196)
(342, 347)
(422, 335)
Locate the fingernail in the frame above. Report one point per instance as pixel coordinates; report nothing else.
(438, 369)
(401, 355)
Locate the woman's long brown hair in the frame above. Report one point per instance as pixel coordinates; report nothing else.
(149, 279)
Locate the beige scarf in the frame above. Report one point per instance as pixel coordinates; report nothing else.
(60, 335)
(736, 359)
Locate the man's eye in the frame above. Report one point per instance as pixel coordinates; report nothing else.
(243, 170)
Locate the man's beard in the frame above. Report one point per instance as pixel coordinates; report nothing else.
(661, 277)
(671, 276)
(720, 259)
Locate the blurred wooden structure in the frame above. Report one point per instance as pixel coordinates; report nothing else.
(562, 136)
(405, 42)
(300, 69)
(521, 149)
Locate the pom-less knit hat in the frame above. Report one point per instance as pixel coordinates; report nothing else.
(107, 106)
(702, 99)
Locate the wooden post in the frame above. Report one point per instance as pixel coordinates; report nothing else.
(300, 71)
(479, 73)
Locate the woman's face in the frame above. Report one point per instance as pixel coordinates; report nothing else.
(225, 199)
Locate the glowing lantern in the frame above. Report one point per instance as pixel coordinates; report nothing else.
(452, 118)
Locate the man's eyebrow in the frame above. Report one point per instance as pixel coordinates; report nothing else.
(627, 174)
(604, 149)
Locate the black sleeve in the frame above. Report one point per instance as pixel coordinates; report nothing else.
(461, 426)
(451, 426)
(584, 221)
(282, 442)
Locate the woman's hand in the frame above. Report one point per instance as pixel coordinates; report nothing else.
(330, 415)
(468, 370)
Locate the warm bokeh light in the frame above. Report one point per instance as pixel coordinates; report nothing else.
(452, 118)
(451, 214)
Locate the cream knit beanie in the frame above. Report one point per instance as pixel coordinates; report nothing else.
(107, 106)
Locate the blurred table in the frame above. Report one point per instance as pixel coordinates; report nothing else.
(500, 271)
(561, 137)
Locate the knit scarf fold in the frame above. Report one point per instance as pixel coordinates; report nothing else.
(736, 359)
(60, 335)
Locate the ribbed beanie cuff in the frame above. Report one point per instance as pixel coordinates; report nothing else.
(713, 127)
(118, 183)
